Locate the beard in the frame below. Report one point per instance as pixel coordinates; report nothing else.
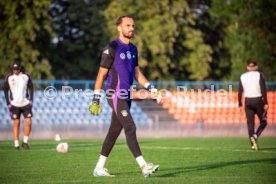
(129, 35)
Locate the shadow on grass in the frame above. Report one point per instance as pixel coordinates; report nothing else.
(175, 171)
(269, 148)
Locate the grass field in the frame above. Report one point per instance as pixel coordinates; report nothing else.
(182, 160)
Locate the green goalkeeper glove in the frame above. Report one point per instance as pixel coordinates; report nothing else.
(155, 93)
(95, 107)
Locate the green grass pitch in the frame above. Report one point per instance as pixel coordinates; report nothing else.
(182, 160)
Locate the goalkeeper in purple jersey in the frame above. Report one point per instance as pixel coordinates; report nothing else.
(119, 64)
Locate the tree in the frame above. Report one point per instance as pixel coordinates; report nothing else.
(249, 32)
(213, 34)
(23, 23)
(169, 45)
(81, 36)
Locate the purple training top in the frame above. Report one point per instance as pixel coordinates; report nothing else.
(120, 59)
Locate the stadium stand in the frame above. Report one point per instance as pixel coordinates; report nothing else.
(195, 109)
(71, 110)
(191, 108)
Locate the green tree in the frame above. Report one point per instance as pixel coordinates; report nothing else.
(213, 34)
(169, 45)
(249, 32)
(23, 23)
(80, 28)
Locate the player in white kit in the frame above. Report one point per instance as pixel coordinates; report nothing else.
(18, 88)
(252, 83)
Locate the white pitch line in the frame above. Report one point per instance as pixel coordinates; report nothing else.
(206, 149)
(91, 147)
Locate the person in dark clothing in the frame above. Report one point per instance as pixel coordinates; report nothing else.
(119, 63)
(252, 83)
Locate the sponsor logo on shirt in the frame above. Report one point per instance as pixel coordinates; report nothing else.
(128, 55)
(123, 56)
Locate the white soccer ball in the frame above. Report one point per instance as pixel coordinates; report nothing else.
(63, 147)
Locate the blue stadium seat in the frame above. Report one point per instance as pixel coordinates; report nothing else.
(73, 111)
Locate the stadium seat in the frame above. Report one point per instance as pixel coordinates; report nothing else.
(73, 111)
(187, 108)
(212, 109)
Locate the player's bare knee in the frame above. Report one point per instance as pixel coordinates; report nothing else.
(28, 121)
(16, 121)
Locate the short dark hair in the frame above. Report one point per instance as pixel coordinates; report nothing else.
(252, 62)
(120, 19)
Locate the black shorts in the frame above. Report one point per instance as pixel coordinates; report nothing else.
(25, 110)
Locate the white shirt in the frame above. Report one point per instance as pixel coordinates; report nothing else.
(18, 85)
(251, 84)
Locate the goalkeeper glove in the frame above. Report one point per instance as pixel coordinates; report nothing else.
(155, 93)
(95, 107)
